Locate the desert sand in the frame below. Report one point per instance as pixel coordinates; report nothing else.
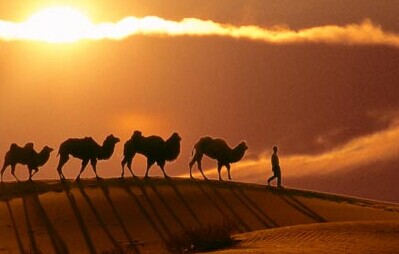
(141, 215)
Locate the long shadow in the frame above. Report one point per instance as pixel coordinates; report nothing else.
(183, 200)
(250, 208)
(226, 204)
(215, 205)
(98, 217)
(167, 206)
(143, 210)
(79, 218)
(57, 242)
(14, 225)
(154, 209)
(270, 221)
(311, 213)
(33, 245)
(132, 243)
(299, 206)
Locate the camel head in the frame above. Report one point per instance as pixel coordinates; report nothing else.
(111, 139)
(243, 146)
(238, 152)
(47, 149)
(108, 147)
(42, 157)
(175, 136)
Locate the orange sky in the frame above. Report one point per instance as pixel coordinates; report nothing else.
(313, 98)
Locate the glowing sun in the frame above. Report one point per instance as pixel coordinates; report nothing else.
(58, 24)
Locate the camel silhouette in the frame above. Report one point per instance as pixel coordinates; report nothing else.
(25, 155)
(219, 150)
(154, 148)
(87, 150)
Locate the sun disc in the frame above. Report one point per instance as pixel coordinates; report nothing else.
(58, 24)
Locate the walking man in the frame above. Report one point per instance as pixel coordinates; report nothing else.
(275, 167)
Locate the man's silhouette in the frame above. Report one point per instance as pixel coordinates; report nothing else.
(275, 167)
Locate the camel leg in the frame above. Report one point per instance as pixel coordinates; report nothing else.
(123, 163)
(162, 166)
(61, 163)
(129, 166)
(149, 164)
(30, 174)
(200, 169)
(13, 172)
(191, 164)
(220, 165)
(127, 160)
(35, 170)
(198, 159)
(93, 163)
(62, 176)
(84, 164)
(2, 170)
(228, 170)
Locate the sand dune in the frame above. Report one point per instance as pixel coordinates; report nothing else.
(97, 216)
(332, 237)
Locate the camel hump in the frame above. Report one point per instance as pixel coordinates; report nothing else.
(29, 146)
(172, 147)
(14, 146)
(88, 139)
(136, 134)
(204, 140)
(153, 139)
(213, 142)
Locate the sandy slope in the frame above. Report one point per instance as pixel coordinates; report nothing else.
(97, 216)
(333, 237)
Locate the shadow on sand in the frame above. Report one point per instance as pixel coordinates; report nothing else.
(14, 226)
(167, 206)
(183, 200)
(132, 244)
(57, 242)
(31, 235)
(298, 205)
(243, 225)
(98, 216)
(79, 218)
(126, 187)
(252, 207)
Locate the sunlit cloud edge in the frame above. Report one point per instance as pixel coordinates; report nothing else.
(363, 33)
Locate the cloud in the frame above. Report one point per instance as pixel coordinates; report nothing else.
(366, 150)
(364, 33)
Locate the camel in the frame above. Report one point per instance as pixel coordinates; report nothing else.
(219, 150)
(25, 155)
(154, 148)
(87, 150)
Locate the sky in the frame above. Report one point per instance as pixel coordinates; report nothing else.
(317, 78)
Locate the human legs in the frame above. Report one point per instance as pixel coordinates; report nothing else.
(271, 178)
(276, 174)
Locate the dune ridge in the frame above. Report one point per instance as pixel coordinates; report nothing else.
(141, 215)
